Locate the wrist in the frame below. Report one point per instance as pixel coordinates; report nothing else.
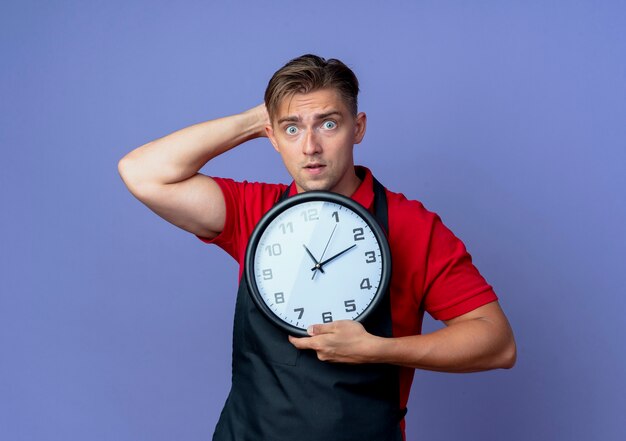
(375, 349)
(255, 120)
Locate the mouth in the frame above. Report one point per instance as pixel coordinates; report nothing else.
(314, 168)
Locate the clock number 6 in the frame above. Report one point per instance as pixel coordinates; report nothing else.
(327, 317)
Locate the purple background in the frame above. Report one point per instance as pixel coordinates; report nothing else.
(506, 118)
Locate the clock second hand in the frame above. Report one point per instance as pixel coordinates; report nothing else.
(317, 264)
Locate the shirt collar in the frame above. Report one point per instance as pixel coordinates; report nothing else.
(364, 194)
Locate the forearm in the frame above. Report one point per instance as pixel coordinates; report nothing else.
(468, 346)
(476, 341)
(180, 155)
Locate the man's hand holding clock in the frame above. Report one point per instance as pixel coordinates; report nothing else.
(343, 341)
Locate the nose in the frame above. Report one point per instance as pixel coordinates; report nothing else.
(311, 144)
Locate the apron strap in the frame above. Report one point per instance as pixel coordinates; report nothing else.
(380, 205)
(285, 194)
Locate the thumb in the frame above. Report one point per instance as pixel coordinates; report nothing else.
(318, 329)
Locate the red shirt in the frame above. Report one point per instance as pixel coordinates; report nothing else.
(432, 270)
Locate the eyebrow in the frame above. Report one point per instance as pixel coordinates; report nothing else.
(318, 116)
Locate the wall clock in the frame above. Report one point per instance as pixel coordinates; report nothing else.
(317, 257)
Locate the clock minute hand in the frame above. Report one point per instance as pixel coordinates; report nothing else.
(317, 264)
(321, 264)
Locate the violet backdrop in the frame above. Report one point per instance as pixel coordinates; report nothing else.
(507, 118)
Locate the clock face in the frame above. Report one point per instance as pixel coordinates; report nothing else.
(317, 257)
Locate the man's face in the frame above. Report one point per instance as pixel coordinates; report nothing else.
(315, 135)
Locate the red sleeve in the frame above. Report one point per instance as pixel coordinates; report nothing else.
(246, 202)
(228, 239)
(453, 285)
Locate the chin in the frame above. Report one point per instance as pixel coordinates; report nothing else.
(315, 186)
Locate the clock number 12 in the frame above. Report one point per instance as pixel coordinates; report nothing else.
(310, 214)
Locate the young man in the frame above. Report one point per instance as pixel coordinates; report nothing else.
(342, 382)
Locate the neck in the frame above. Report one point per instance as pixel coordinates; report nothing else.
(348, 185)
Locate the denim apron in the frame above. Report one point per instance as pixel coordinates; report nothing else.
(281, 393)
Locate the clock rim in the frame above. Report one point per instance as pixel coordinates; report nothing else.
(310, 196)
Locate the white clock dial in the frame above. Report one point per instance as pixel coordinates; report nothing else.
(318, 261)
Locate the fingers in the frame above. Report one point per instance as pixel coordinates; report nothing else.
(300, 343)
(313, 330)
(323, 349)
(341, 341)
(326, 328)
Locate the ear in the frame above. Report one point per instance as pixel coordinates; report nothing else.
(359, 128)
(269, 131)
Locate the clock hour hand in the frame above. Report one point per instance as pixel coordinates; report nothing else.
(321, 264)
(317, 264)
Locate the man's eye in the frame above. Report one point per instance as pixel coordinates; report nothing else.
(329, 125)
(291, 130)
